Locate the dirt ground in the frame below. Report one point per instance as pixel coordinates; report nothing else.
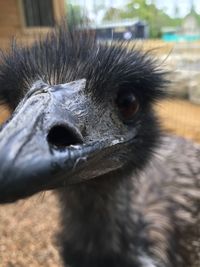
(28, 233)
(28, 229)
(180, 117)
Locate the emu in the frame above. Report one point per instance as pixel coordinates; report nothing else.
(83, 123)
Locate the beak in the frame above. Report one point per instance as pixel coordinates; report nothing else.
(42, 148)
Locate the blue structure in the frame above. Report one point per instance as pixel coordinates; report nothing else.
(188, 32)
(175, 37)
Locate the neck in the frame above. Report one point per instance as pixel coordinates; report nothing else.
(99, 226)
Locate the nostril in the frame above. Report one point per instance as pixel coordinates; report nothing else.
(61, 136)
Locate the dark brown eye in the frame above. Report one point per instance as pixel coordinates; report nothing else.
(127, 104)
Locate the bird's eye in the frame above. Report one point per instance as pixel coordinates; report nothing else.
(127, 104)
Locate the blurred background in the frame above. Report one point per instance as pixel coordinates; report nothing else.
(171, 29)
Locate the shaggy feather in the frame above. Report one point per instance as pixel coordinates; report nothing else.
(68, 54)
(123, 218)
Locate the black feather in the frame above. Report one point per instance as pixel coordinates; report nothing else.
(71, 53)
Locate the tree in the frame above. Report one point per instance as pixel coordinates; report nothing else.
(76, 14)
(144, 10)
(112, 14)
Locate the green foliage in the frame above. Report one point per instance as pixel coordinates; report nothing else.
(76, 15)
(141, 9)
(195, 14)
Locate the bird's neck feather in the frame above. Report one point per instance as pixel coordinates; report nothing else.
(98, 221)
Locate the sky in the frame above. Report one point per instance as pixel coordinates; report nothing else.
(183, 5)
(167, 5)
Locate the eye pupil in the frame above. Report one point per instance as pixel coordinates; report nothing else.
(126, 101)
(127, 104)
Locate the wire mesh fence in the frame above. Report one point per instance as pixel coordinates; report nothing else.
(181, 113)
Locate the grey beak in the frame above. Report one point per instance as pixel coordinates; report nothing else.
(42, 147)
(33, 143)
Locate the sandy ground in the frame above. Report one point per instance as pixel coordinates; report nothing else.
(180, 117)
(28, 229)
(4, 113)
(28, 233)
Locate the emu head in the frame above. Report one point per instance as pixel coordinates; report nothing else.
(82, 110)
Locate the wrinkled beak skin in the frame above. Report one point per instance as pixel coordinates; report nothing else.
(42, 146)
